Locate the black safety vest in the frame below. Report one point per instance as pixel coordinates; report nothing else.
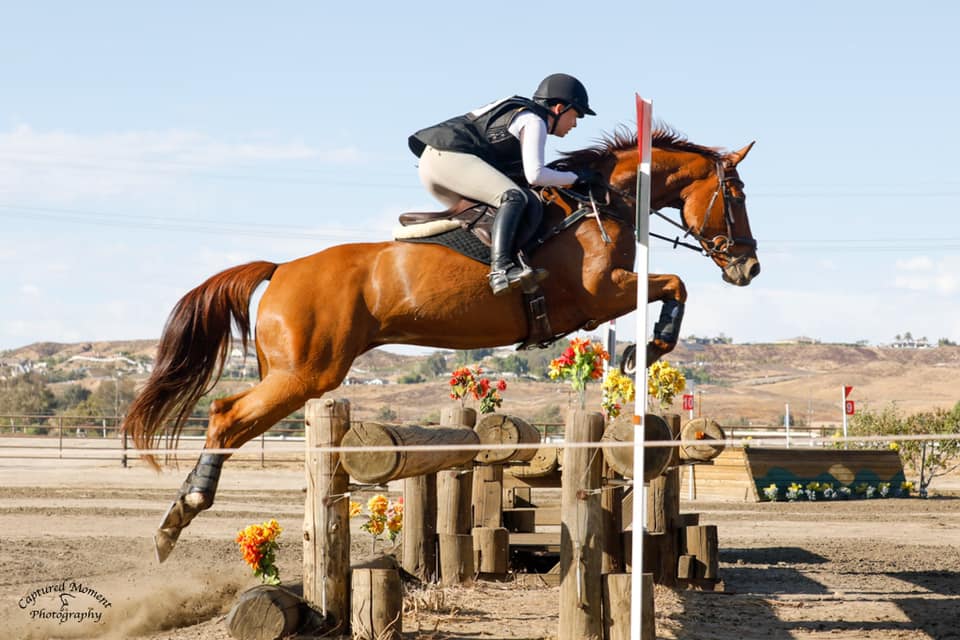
(485, 135)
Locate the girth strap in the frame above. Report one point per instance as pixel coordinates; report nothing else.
(541, 333)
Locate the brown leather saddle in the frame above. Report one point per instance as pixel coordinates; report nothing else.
(470, 236)
(477, 218)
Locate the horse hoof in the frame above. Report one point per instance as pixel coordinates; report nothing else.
(175, 520)
(164, 541)
(653, 353)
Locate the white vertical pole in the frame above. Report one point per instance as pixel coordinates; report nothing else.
(691, 476)
(786, 423)
(644, 119)
(843, 412)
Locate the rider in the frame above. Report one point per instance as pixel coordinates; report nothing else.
(472, 155)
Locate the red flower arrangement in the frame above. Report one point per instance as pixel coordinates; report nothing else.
(468, 381)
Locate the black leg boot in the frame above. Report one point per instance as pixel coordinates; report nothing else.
(504, 274)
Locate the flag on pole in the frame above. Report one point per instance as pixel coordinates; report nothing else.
(846, 391)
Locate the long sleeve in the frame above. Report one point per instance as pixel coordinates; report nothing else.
(531, 130)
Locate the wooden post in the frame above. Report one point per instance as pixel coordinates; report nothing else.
(326, 526)
(700, 543)
(488, 495)
(420, 526)
(264, 612)
(457, 416)
(454, 518)
(663, 518)
(580, 531)
(456, 558)
(377, 612)
(491, 550)
(611, 559)
(616, 607)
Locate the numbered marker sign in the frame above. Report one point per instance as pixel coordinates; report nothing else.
(848, 407)
(688, 402)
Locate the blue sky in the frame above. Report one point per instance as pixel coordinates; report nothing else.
(143, 148)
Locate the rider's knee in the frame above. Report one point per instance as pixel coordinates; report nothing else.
(517, 196)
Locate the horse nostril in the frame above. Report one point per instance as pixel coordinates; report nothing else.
(755, 270)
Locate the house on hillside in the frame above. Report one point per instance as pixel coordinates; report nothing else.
(909, 342)
(798, 340)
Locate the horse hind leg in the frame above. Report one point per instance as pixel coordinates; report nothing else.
(233, 421)
(195, 495)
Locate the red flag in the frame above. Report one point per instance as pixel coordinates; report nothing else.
(846, 391)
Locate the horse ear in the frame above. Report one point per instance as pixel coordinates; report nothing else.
(737, 156)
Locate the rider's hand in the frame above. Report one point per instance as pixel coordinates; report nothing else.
(589, 178)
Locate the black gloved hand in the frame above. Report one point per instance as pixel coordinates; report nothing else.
(589, 178)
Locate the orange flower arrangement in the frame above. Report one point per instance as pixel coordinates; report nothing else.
(258, 545)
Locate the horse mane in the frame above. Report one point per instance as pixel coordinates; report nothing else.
(622, 139)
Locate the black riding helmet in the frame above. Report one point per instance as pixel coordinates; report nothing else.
(560, 87)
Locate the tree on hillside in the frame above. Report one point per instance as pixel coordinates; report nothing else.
(465, 357)
(513, 363)
(435, 365)
(946, 342)
(72, 395)
(928, 458)
(26, 395)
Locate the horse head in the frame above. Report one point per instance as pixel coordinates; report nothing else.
(704, 185)
(714, 211)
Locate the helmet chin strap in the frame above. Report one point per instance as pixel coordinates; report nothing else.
(556, 118)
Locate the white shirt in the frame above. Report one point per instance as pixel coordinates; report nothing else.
(531, 131)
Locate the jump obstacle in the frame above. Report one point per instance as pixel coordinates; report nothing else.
(458, 527)
(742, 474)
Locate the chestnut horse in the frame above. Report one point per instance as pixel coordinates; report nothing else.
(322, 311)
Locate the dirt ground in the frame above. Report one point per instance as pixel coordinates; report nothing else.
(879, 569)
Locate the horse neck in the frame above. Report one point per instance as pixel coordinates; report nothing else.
(674, 174)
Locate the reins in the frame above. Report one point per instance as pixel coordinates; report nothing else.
(719, 244)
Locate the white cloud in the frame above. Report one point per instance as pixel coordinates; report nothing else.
(62, 167)
(923, 274)
(30, 290)
(918, 263)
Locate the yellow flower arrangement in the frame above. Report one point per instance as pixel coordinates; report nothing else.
(664, 382)
(617, 388)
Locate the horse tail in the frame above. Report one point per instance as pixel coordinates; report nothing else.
(192, 350)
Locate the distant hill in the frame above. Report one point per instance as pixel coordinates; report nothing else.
(737, 383)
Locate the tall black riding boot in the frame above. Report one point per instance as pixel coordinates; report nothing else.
(504, 274)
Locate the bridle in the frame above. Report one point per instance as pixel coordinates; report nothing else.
(720, 244)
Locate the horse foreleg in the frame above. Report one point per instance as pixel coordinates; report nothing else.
(233, 421)
(666, 288)
(670, 290)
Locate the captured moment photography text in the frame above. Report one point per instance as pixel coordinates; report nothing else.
(65, 601)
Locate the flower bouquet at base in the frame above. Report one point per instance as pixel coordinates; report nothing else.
(580, 363)
(384, 515)
(258, 545)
